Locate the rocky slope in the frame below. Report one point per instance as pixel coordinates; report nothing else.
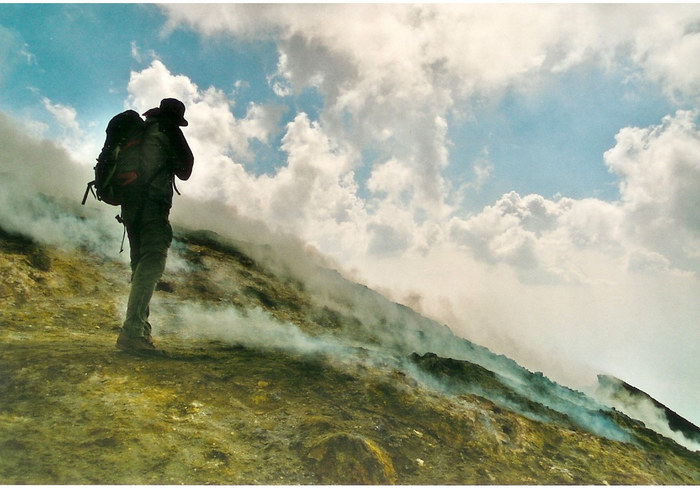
(279, 372)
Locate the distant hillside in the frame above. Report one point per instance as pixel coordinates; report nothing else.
(641, 405)
(279, 371)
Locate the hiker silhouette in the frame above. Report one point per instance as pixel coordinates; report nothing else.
(145, 213)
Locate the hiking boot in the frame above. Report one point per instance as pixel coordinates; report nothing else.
(138, 345)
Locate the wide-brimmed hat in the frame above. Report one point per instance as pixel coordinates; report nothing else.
(170, 107)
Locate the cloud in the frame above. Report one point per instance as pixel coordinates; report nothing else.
(63, 126)
(261, 122)
(146, 88)
(659, 173)
(534, 235)
(387, 240)
(139, 56)
(390, 84)
(664, 44)
(220, 141)
(66, 117)
(351, 84)
(392, 178)
(659, 180)
(313, 194)
(412, 52)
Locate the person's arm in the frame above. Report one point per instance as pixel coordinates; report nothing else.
(181, 157)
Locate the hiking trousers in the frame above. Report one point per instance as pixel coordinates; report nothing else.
(150, 236)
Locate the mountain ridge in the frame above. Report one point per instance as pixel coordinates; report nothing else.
(275, 378)
(623, 393)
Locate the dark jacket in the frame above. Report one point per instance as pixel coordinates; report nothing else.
(166, 154)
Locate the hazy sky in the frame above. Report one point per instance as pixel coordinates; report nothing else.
(529, 175)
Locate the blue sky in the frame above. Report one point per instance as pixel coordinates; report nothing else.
(553, 141)
(527, 174)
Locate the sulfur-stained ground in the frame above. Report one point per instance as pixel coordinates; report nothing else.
(75, 410)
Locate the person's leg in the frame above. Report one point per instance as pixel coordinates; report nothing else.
(131, 215)
(154, 237)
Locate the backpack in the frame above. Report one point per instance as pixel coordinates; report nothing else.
(119, 165)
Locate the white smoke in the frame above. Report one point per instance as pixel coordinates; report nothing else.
(257, 329)
(41, 189)
(644, 410)
(251, 328)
